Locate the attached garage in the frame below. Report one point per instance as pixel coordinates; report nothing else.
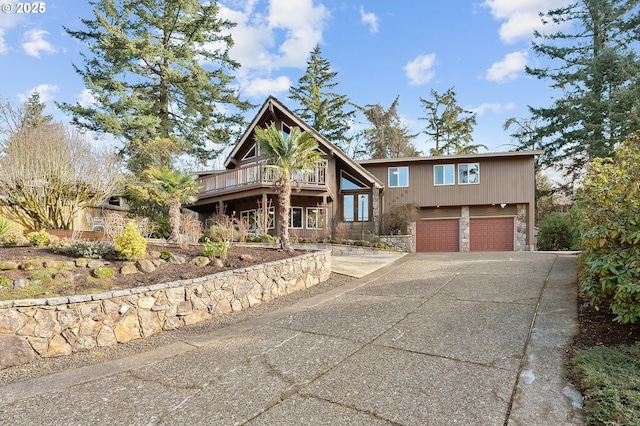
(491, 234)
(438, 235)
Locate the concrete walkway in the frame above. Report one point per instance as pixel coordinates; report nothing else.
(473, 339)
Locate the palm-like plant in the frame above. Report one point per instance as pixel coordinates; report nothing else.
(173, 188)
(286, 155)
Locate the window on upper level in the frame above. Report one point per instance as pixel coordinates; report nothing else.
(253, 152)
(444, 174)
(286, 131)
(468, 173)
(349, 182)
(398, 177)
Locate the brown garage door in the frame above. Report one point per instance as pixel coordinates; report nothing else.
(437, 235)
(491, 234)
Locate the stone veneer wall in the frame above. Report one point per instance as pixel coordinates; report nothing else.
(521, 228)
(63, 325)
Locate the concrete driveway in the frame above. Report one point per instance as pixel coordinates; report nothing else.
(473, 339)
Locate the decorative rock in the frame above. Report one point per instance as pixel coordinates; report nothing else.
(128, 329)
(177, 260)
(145, 266)
(20, 283)
(129, 268)
(247, 258)
(58, 346)
(157, 262)
(218, 263)
(201, 261)
(96, 263)
(15, 351)
(154, 254)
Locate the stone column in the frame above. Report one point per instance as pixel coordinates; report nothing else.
(411, 230)
(521, 228)
(465, 224)
(375, 211)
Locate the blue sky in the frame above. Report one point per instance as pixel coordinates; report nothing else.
(380, 49)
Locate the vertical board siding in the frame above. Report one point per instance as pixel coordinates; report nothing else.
(508, 180)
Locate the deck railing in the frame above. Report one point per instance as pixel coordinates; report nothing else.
(255, 175)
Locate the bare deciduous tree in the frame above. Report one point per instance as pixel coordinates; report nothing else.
(51, 172)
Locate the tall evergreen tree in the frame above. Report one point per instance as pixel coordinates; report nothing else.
(449, 125)
(159, 69)
(328, 112)
(388, 137)
(34, 112)
(596, 74)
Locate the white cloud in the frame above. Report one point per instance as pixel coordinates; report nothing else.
(508, 68)
(46, 92)
(419, 71)
(370, 19)
(521, 17)
(3, 45)
(493, 107)
(298, 23)
(35, 43)
(262, 87)
(85, 98)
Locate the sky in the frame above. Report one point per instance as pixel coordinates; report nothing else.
(380, 49)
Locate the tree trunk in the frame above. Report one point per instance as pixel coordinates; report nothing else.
(284, 200)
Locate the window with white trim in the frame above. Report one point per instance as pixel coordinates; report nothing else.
(398, 177)
(295, 217)
(444, 174)
(468, 173)
(315, 218)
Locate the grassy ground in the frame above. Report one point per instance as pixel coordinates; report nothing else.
(609, 379)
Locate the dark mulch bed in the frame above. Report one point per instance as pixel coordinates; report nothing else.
(238, 257)
(598, 328)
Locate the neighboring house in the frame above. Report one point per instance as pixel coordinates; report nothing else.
(471, 202)
(245, 189)
(467, 202)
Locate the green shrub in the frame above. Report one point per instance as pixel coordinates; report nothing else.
(558, 231)
(610, 228)
(211, 249)
(39, 238)
(131, 244)
(87, 249)
(165, 255)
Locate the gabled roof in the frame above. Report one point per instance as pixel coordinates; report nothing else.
(268, 109)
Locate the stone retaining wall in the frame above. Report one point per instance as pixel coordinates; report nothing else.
(59, 326)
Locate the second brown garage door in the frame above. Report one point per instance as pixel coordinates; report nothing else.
(491, 234)
(437, 235)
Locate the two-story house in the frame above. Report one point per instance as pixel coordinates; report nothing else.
(467, 202)
(245, 188)
(471, 202)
